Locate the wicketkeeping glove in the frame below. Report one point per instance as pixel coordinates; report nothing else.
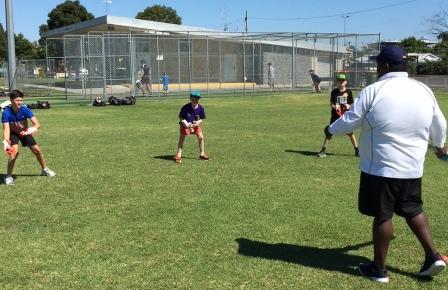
(186, 124)
(8, 148)
(6, 145)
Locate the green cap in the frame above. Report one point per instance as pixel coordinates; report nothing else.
(341, 76)
(196, 94)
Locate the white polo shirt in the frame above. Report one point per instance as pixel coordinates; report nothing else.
(397, 116)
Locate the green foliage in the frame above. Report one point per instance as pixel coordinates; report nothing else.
(433, 68)
(443, 36)
(3, 44)
(69, 12)
(441, 49)
(24, 47)
(411, 44)
(263, 213)
(160, 13)
(42, 28)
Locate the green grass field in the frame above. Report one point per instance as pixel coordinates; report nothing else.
(263, 213)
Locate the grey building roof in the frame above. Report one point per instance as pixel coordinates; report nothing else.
(117, 24)
(121, 24)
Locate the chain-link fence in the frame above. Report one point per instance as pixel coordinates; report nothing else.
(103, 64)
(31, 76)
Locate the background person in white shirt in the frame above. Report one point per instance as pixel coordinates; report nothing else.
(271, 75)
(397, 116)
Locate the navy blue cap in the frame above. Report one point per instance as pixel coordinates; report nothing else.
(392, 55)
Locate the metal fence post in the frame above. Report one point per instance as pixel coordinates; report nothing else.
(65, 67)
(293, 65)
(132, 63)
(220, 65)
(158, 66)
(253, 64)
(208, 64)
(356, 62)
(178, 64)
(244, 63)
(189, 59)
(103, 52)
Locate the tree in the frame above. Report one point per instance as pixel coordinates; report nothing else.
(24, 47)
(160, 13)
(42, 28)
(411, 44)
(438, 23)
(3, 43)
(443, 36)
(441, 50)
(433, 68)
(69, 12)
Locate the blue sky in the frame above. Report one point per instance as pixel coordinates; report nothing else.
(394, 19)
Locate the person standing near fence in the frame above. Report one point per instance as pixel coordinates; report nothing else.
(15, 128)
(397, 116)
(271, 76)
(146, 78)
(316, 81)
(165, 82)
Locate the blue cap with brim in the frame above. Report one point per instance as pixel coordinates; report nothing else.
(195, 94)
(392, 55)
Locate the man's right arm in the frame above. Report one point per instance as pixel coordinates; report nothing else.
(353, 118)
(437, 132)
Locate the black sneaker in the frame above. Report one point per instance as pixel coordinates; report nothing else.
(357, 152)
(321, 154)
(432, 267)
(372, 273)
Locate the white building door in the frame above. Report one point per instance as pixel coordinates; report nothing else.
(229, 68)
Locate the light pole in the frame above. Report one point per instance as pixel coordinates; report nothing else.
(345, 20)
(11, 47)
(107, 2)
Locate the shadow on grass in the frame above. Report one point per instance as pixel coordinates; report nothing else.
(2, 176)
(331, 259)
(171, 157)
(306, 153)
(165, 157)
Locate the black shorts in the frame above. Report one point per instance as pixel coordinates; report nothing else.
(381, 197)
(145, 80)
(334, 118)
(27, 140)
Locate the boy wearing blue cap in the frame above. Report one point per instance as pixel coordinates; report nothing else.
(190, 122)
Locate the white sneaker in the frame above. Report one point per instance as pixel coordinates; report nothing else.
(48, 172)
(9, 180)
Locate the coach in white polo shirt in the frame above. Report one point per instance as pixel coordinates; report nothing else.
(397, 116)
